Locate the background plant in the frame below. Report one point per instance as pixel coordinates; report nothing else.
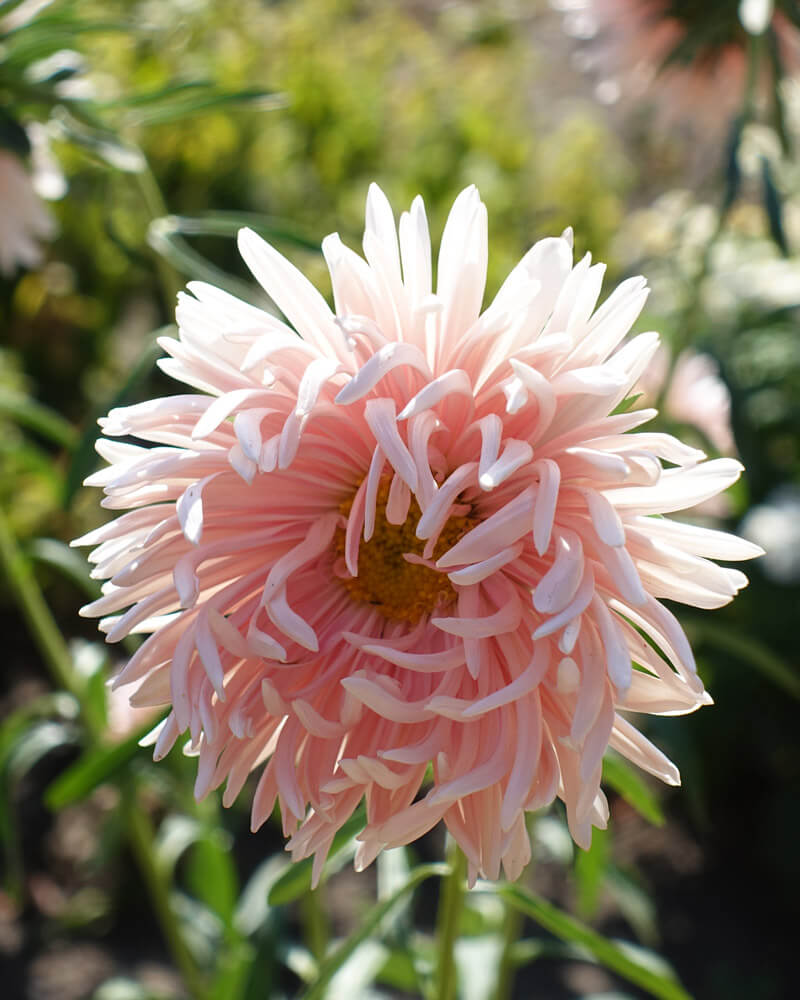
(174, 123)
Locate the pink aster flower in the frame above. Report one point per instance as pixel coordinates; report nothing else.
(406, 552)
(696, 394)
(24, 220)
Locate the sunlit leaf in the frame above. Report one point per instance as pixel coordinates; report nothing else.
(367, 926)
(229, 224)
(748, 649)
(626, 404)
(296, 880)
(178, 105)
(399, 971)
(35, 416)
(163, 237)
(234, 963)
(633, 964)
(69, 562)
(96, 766)
(253, 909)
(84, 458)
(211, 874)
(590, 872)
(103, 144)
(38, 741)
(635, 904)
(355, 975)
(627, 783)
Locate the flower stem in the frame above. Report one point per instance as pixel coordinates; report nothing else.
(56, 655)
(315, 922)
(447, 920)
(142, 841)
(35, 611)
(512, 926)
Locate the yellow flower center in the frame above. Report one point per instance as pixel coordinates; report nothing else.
(402, 591)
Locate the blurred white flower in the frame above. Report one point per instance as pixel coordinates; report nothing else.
(775, 526)
(24, 219)
(21, 14)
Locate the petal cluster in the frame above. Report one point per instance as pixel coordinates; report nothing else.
(407, 551)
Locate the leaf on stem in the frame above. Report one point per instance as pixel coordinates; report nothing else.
(638, 966)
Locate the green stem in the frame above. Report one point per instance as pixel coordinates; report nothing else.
(142, 841)
(171, 281)
(447, 919)
(687, 325)
(512, 927)
(35, 611)
(315, 922)
(56, 655)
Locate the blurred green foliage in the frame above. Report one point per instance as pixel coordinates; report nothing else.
(289, 110)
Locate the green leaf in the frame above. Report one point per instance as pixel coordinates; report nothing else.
(101, 143)
(211, 874)
(233, 971)
(229, 224)
(622, 958)
(773, 207)
(96, 766)
(590, 872)
(38, 741)
(367, 926)
(163, 237)
(626, 404)
(84, 458)
(733, 175)
(69, 562)
(37, 417)
(253, 909)
(181, 104)
(747, 649)
(399, 972)
(296, 880)
(620, 776)
(635, 905)
(12, 729)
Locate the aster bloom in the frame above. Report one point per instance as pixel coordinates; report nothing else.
(696, 394)
(24, 220)
(407, 552)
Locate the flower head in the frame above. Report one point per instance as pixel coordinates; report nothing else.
(411, 555)
(24, 220)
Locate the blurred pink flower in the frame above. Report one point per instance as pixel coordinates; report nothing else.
(691, 56)
(696, 395)
(24, 220)
(417, 534)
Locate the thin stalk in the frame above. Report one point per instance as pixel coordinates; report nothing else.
(512, 928)
(55, 653)
(142, 841)
(687, 326)
(36, 613)
(447, 920)
(171, 281)
(315, 922)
